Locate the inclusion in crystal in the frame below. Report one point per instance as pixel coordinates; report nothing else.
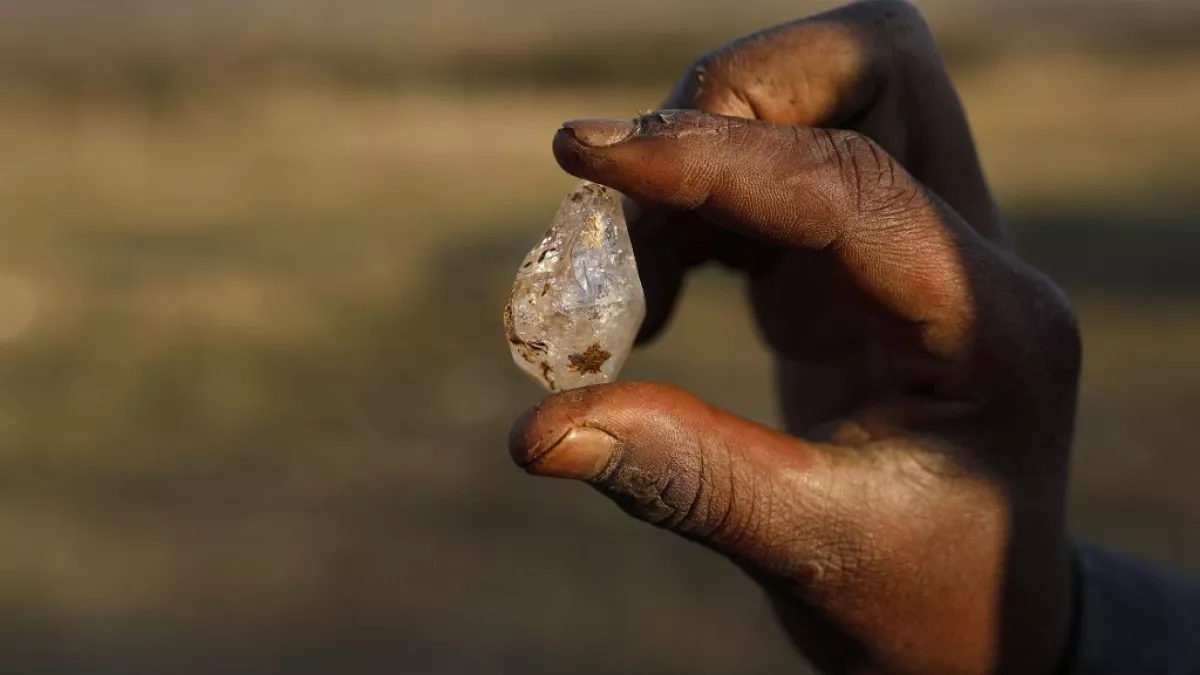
(577, 302)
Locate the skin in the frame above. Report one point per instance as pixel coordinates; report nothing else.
(911, 517)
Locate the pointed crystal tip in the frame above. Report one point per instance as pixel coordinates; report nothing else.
(577, 303)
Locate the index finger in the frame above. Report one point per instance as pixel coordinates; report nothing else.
(836, 193)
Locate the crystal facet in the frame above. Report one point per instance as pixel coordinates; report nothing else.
(577, 302)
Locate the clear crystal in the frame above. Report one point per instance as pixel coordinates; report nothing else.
(577, 302)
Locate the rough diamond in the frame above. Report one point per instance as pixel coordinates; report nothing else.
(577, 302)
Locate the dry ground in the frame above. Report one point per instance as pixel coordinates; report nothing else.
(255, 391)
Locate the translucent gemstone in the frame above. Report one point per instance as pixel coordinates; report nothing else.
(577, 302)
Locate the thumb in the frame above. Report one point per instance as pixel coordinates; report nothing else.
(672, 460)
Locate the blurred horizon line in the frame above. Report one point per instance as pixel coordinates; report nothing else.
(76, 47)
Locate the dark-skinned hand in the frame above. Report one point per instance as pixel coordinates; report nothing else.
(911, 519)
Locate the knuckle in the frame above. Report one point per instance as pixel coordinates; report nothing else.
(896, 18)
(1057, 324)
(875, 182)
(711, 84)
(898, 32)
(693, 493)
(903, 10)
(1034, 346)
(825, 144)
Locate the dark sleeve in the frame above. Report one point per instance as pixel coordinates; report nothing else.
(1133, 618)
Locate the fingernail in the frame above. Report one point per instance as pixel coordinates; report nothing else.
(598, 133)
(581, 454)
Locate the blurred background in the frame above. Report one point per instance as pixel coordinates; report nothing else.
(254, 392)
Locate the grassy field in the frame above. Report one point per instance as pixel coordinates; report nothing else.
(256, 393)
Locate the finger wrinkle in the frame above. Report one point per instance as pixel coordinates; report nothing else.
(731, 496)
(749, 102)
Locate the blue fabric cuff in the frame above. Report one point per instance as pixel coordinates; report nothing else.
(1133, 618)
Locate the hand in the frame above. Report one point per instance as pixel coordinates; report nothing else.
(912, 521)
